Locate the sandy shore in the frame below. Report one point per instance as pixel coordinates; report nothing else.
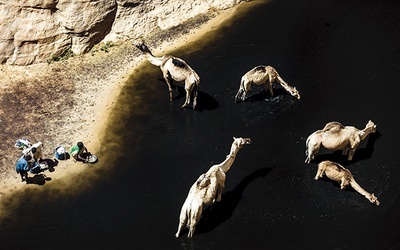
(64, 102)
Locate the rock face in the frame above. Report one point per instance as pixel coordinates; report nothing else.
(33, 31)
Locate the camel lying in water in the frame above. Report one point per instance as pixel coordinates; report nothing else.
(338, 173)
(334, 136)
(207, 189)
(263, 75)
(174, 68)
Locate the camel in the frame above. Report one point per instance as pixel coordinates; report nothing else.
(338, 173)
(265, 75)
(174, 68)
(207, 189)
(334, 136)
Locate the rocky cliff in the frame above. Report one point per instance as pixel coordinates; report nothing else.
(33, 31)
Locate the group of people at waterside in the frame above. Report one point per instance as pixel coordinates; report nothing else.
(208, 187)
(32, 157)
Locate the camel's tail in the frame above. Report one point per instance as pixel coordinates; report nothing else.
(157, 61)
(307, 154)
(307, 142)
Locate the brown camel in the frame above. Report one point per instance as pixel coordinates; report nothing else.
(174, 69)
(263, 75)
(338, 173)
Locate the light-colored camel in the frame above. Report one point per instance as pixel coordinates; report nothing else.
(263, 75)
(334, 136)
(174, 68)
(207, 189)
(338, 173)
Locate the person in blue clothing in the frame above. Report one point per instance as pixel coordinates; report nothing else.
(22, 167)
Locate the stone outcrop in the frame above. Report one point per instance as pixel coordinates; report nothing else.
(34, 31)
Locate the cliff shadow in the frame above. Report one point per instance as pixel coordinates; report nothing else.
(361, 154)
(222, 211)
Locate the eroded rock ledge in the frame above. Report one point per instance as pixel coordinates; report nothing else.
(34, 31)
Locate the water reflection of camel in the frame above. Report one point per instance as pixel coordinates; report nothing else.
(216, 214)
(207, 189)
(334, 136)
(174, 69)
(263, 75)
(338, 173)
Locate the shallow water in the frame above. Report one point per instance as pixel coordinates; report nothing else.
(342, 56)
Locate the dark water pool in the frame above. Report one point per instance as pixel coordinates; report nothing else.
(343, 57)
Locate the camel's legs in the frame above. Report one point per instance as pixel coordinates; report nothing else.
(168, 80)
(239, 94)
(182, 221)
(312, 149)
(196, 92)
(219, 192)
(310, 156)
(319, 174)
(188, 89)
(179, 229)
(271, 80)
(194, 218)
(243, 89)
(350, 154)
(344, 183)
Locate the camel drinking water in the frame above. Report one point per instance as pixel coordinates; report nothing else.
(174, 68)
(263, 75)
(338, 173)
(334, 136)
(207, 189)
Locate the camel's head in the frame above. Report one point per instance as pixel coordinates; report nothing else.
(371, 126)
(374, 200)
(240, 142)
(139, 43)
(295, 93)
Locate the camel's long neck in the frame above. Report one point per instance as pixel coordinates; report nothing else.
(284, 84)
(227, 164)
(364, 133)
(359, 189)
(157, 61)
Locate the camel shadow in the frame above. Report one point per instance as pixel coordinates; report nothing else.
(264, 95)
(206, 102)
(221, 211)
(360, 154)
(38, 179)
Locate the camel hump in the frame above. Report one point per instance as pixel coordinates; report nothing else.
(259, 69)
(202, 181)
(337, 166)
(333, 127)
(178, 63)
